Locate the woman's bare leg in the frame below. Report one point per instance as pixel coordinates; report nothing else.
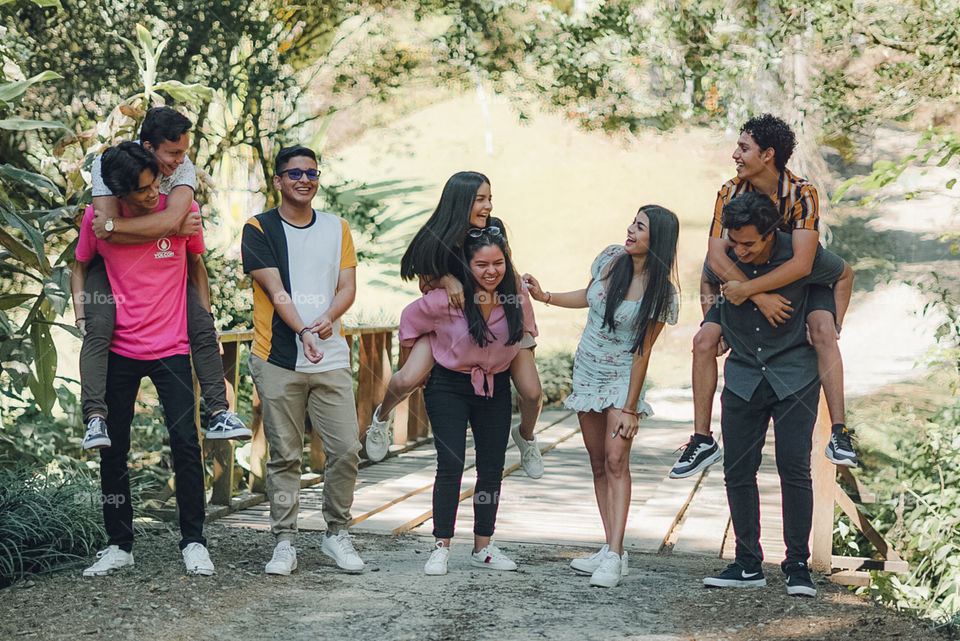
(523, 371)
(593, 428)
(408, 378)
(618, 486)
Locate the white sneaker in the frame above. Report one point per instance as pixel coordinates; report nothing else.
(340, 549)
(108, 560)
(378, 437)
(608, 573)
(530, 457)
(437, 563)
(284, 559)
(197, 559)
(492, 558)
(588, 565)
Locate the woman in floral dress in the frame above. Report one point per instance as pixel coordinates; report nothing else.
(630, 295)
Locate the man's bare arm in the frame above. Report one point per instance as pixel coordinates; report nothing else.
(805, 243)
(841, 292)
(143, 229)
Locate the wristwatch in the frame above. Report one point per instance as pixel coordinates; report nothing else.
(108, 226)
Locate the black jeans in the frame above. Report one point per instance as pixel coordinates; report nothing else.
(100, 311)
(744, 425)
(451, 402)
(171, 377)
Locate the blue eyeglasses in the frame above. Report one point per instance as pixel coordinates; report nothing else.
(477, 232)
(297, 174)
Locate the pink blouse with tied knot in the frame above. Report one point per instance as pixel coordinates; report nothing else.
(450, 340)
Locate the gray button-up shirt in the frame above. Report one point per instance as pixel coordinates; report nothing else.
(781, 354)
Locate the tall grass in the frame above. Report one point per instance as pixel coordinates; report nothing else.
(48, 519)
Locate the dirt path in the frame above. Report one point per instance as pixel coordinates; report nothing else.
(661, 600)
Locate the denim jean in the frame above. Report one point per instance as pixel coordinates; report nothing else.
(451, 403)
(744, 425)
(171, 376)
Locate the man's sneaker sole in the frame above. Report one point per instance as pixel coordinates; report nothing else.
(280, 572)
(716, 582)
(96, 443)
(801, 590)
(226, 435)
(845, 462)
(88, 573)
(707, 462)
(583, 571)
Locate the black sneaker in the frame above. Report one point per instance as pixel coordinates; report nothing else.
(840, 448)
(699, 453)
(798, 580)
(735, 576)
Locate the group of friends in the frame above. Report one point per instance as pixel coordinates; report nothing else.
(771, 295)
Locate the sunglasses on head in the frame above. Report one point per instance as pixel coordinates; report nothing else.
(477, 232)
(297, 174)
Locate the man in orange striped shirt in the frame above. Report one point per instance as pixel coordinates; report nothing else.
(763, 149)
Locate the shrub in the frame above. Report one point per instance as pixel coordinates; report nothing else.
(50, 518)
(556, 375)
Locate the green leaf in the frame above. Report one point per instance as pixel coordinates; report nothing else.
(57, 288)
(22, 124)
(39, 3)
(951, 183)
(45, 366)
(12, 300)
(37, 181)
(185, 93)
(18, 250)
(844, 187)
(33, 235)
(12, 90)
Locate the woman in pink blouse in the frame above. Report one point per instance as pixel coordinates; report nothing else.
(473, 349)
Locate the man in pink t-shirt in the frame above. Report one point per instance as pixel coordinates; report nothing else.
(149, 339)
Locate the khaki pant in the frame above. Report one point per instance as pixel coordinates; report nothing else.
(286, 396)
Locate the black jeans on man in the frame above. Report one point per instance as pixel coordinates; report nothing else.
(100, 312)
(744, 425)
(451, 402)
(171, 376)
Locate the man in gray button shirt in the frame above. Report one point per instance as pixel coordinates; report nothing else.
(771, 372)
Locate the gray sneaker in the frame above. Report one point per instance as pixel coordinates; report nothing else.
(227, 425)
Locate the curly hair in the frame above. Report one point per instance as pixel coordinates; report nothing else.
(769, 131)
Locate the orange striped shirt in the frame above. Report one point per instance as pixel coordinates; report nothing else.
(796, 199)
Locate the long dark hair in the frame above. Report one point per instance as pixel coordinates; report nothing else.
(506, 292)
(659, 269)
(431, 250)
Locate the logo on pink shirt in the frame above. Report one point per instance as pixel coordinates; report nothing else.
(164, 246)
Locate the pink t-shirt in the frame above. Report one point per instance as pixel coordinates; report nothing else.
(450, 340)
(149, 284)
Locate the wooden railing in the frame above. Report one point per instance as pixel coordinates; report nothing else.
(374, 368)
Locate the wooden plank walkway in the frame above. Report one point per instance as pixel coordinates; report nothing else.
(687, 516)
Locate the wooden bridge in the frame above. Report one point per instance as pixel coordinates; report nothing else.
(666, 515)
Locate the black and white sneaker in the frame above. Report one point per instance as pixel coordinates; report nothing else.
(736, 576)
(840, 448)
(96, 436)
(699, 453)
(798, 580)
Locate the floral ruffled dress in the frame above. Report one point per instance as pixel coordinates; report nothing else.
(601, 366)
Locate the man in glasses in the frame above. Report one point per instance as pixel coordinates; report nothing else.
(304, 278)
(165, 134)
